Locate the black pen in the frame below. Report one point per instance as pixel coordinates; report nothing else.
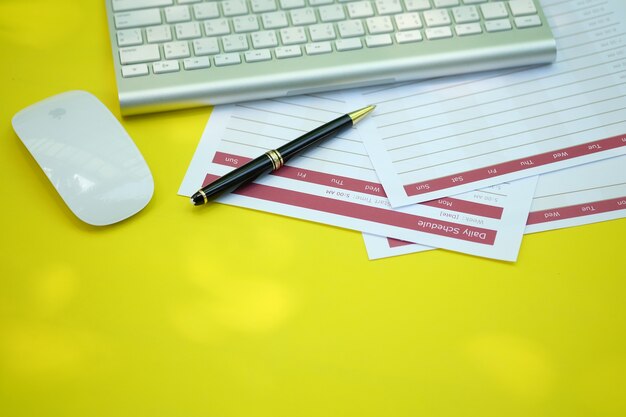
(276, 158)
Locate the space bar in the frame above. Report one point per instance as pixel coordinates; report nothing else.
(124, 5)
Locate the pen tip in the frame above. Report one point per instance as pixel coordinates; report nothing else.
(357, 115)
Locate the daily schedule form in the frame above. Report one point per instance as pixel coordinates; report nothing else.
(336, 184)
(441, 137)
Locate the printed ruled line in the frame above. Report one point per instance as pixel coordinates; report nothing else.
(236, 142)
(322, 97)
(245, 119)
(249, 107)
(511, 98)
(519, 146)
(603, 51)
(586, 31)
(580, 191)
(581, 9)
(282, 101)
(578, 45)
(396, 85)
(468, 132)
(558, 3)
(578, 22)
(281, 126)
(492, 192)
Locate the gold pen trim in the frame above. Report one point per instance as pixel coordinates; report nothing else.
(206, 200)
(357, 115)
(276, 158)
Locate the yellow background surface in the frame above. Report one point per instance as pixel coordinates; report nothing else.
(227, 312)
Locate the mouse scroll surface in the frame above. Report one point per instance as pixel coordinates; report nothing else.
(87, 155)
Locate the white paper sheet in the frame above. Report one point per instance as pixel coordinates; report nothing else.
(441, 137)
(575, 196)
(336, 183)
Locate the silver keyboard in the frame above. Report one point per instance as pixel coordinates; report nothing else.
(172, 54)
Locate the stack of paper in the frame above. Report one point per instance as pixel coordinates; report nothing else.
(467, 163)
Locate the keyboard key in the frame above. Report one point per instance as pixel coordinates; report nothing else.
(388, 7)
(409, 36)
(216, 27)
(318, 48)
(446, 3)
(125, 5)
(158, 34)
(497, 25)
(350, 28)
(243, 24)
(235, 43)
(177, 14)
(332, 13)
(468, 29)
(287, 52)
(227, 59)
(438, 33)
(198, 62)
(522, 7)
(274, 20)
(360, 9)
(206, 46)
(379, 24)
(320, 2)
(204, 11)
(527, 21)
(129, 37)
(291, 4)
(348, 44)
(264, 39)
(408, 21)
(189, 30)
(258, 55)
(262, 6)
(139, 54)
(137, 19)
(293, 35)
(494, 10)
(234, 7)
(416, 5)
(322, 32)
(163, 67)
(374, 41)
(136, 70)
(175, 50)
(303, 17)
(465, 14)
(436, 18)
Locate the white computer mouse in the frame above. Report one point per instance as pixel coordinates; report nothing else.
(87, 155)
